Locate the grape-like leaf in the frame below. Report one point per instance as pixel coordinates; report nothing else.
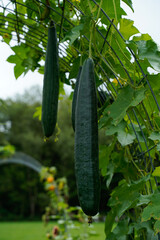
(153, 208)
(149, 49)
(156, 172)
(127, 29)
(157, 226)
(124, 135)
(113, 10)
(73, 34)
(25, 59)
(153, 211)
(128, 97)
(155, 136)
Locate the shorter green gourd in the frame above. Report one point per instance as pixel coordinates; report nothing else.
(50, 84)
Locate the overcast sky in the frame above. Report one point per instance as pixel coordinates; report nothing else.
(146, 17)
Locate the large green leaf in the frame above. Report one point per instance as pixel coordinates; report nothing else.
(125, 194)
(157, 226)
(154, 80)
(18, 68)
(120, 232)
(118, 109)
(144, 37)
(73, 34)
(155, 136)
(153, 210)
(110, 220)
(143, 200)
(148, 226)
(25, 59)
(127, 29)
(156, 172)
(84, 6)
(138, 96)
(124, 135)
(149, 49)
(113, 10)
(128, 97)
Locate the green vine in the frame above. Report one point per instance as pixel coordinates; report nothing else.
(91, 37)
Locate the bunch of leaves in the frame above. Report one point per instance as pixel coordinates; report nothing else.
(25, 59)
(132, 205)
(132, 213)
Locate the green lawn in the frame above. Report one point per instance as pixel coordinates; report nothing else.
(37, 231)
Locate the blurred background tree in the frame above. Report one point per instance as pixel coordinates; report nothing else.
(21, 193)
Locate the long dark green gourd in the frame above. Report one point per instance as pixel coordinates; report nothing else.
(86, 142)
(75, 97)
(50, 84)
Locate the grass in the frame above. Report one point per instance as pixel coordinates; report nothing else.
(37, 230)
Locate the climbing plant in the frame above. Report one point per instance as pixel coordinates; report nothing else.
(127, 69)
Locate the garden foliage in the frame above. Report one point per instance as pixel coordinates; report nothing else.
(127, 66)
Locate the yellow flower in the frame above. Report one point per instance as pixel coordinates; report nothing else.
(50, 179)
(117, 81)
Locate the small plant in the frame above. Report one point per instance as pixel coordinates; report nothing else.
(59, 212)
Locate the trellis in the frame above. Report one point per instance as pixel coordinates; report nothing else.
(38, 40)
(23, 159)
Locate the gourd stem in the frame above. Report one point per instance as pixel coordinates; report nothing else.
(81, 51)
(90, 42)
(115, 11)
(99, 10)
(90, 7)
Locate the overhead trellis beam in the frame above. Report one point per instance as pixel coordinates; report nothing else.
(23, 159)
